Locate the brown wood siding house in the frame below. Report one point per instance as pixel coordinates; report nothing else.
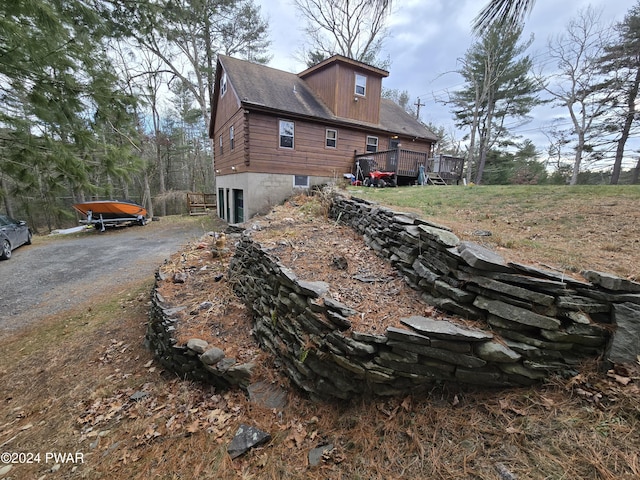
(275, 132)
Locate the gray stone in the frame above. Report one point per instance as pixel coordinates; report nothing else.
(408, 336)
(316, 454)
(288, 276)
(450, 305)
(496, 352)
(139, 395)
(625, 344)
(341, 322)
(582, 304)
(313, 289)
(482, 258)
(513, 291)
(349, 345)
(212, 356)
(440, 236)
(424, 272)
(267, 395)
(171, 312)
(246, 438)
(352, 367)
(517, 369)
(611, 282)
(517, 314)
(444, 329)
(344, 310)
(576, 338)
(536, 342)
(457, 294)
(197, 345)
(369, 338)
(578, 317)
(180, 277)
(558, 276)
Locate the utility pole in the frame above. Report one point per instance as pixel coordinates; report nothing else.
(418, 105)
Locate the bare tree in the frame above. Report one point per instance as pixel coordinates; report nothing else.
(576, 78)
(355, 29)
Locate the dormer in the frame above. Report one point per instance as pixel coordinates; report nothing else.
(349, 88)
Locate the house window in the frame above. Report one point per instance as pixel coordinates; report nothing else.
(223, 84)
(221, 149)
(301, 181)
(231, 138)
(286, 134)
(361, 85)
(372, 144)
(332, 138)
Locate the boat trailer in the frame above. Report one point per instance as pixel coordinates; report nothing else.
(100, 223)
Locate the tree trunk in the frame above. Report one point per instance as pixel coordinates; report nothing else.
(636, 173)
(628, 122)
(7, 203)
(577, 161)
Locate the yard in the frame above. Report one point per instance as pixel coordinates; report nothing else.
(83, 382)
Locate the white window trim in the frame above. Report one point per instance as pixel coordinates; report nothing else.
(231, 137)
(221, 149)
(300, 186)
(223, 84)
(335, 138)
(293, 136)
(377, 144)
(362, 84)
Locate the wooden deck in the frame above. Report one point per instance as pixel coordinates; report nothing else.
(406, 165)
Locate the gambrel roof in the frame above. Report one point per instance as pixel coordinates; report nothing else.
(259, 87)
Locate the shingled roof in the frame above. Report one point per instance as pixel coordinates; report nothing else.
(265, 88)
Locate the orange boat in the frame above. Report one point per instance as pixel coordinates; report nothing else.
(104, 213)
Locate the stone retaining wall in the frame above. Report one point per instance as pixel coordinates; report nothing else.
(197, 360)
(534, 322)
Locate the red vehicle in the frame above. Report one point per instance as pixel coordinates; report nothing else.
(380, 179)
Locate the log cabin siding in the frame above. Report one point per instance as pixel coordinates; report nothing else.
(236, 157)
(310, 156)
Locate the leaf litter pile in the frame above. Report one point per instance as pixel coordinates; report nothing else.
(133, 420)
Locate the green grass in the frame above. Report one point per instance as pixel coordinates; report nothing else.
(443, 200)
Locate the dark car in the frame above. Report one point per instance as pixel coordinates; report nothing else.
(13, 233)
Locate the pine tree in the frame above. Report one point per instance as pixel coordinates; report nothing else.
(497, 87)
(621, 63)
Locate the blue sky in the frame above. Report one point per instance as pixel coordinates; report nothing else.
(427, 37)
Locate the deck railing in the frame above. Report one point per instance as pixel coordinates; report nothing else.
(406, 163)
(201, 203)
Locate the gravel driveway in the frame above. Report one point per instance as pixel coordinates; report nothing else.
(77, 270)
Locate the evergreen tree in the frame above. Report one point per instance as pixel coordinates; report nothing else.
(54, 79)
(621, 63)
(497, 88)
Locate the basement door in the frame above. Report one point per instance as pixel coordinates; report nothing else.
(238, 206)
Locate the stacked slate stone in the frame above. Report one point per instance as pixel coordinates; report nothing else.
(550, 319)
(529, 322)
(197, 360)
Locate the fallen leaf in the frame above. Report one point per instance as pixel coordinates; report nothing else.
(619, 378)
(194, 427)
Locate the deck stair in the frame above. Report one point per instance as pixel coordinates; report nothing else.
(435, 179)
